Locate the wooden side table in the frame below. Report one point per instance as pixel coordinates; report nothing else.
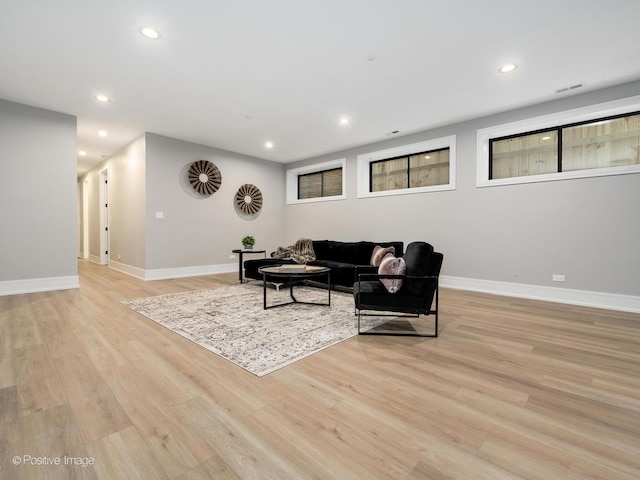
(240, 253)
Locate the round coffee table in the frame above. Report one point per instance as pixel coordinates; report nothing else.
(293, 274)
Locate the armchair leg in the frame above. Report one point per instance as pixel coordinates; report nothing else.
(398, 333)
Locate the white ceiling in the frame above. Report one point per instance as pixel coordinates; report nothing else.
(234, 74)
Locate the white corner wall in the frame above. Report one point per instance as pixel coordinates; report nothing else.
(38, 200)
(196, 234)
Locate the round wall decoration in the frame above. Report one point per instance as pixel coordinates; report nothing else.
(249, 199)
(204, 177)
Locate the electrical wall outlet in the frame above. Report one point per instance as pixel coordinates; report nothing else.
(232, 256)
(557, 278)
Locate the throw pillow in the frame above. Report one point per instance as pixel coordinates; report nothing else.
(391, 265)
(379, 253)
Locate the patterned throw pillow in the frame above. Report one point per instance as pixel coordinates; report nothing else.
(391, 265)
(379, 253)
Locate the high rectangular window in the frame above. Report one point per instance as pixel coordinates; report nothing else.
(423, 169)
(319, 182)
(326, 183)
(415, 168)
(600, 143)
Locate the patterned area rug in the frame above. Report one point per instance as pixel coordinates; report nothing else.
(232, 322)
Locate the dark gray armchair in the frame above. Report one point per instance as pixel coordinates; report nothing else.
(418, 295)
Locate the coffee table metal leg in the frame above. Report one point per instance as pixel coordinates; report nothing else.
(291, 290)
(293, 297)
(264, 291)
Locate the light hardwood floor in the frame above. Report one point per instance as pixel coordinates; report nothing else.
(511, 389)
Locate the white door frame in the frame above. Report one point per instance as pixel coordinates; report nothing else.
(85, 218)
(104, 216)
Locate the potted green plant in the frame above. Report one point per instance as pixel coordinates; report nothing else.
(248, 242)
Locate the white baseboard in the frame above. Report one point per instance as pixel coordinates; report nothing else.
(33, 285)
(95, 259)
(128, 269)
(178, 272)
(181, 272)
(611, 301)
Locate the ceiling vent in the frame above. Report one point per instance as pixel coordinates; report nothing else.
(570, 88)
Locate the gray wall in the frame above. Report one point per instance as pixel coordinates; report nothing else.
(38, 194)
(586, 229)
(198, 230)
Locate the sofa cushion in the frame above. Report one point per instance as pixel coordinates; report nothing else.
(321, 249)
(391, 265)
(341, 273)
(344, 252)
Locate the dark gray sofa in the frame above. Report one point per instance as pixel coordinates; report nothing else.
(340, 257)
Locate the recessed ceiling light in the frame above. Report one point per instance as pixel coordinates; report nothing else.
(82, 153)
(546, 138)
(268, 144)
(103, 133)
(149, 32)
(343, 121)
(509, 67)
(102, 98)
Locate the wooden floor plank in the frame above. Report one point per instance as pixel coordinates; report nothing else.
(177, 447)
(598, 439)
(11, 436)
(39, 385)
(248, 455)
(124, 455)
(52, 435)
(7, 353)
(96, 409)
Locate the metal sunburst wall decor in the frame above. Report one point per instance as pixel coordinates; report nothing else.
(249, 199)
(204, 177)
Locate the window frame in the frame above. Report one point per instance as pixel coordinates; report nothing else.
(408, 170)
(564, 119)
(322, 181)
(365, 161)
(292, 181)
